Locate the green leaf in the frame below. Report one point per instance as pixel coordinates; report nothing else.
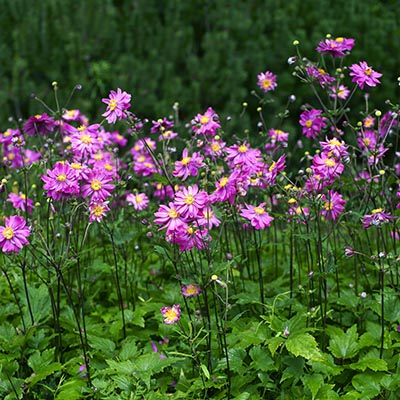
(373, 363)
(104, 345)
(274, 343)
(262, 360)
(368, 384)
(205, 371)
(313, 382)
(303, 345)
(343, 344)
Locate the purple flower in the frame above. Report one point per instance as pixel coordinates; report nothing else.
(364, 75)
(97, 186)
(40, 123)
(117, 103)
(257, 216)
(171, 314)
(13, 236)
(206, 124)
(267, 81)
(312, 123)
(335, 47)
(21, 202)
(376, 218)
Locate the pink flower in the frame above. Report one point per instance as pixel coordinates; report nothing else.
(189, 165)
(190, 290)
(161, 125)
(189, 201)
(214, 148)
(312, 123)
(278, 135)
(168, 217)
(98, 210)
(13, 236)
(267, 81)
(139, 201)
(97, 187)
(322, 77)
(239, 155)
(333, 205)
(334, 146)
(340, 92)
(61, 182)
(206, 124)
(84, 141)
(118, 139)
(171, 314)
(208, 219)
(364, 75)
(257, 216)
(189, 236)
(21, 202)
(335, 47)
(327, 166)
(117, 104)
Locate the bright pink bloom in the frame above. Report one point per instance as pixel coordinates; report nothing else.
(31, 156)
(168, 217)
(117, 103)
(10, 136)
(364, 75)
(239, 155)
(161, 125)
(206, 124)
(39, 124)
(163, 191)
(258, 217)
(267, 81)
(171, 314)
(335, 47)
(189, 201)
(139, 201)
(98, 210)
(189, 165)
(118, 139)
(387, 123)
(13, 236)
(333, 205)
(278, 135)
(21, 202)
(270, 172)
(61, 182)
(189, 236)
(334, 146)
(207, 218)
(327, 166)
(97, 187)
(225, 188)
(84, 141)
(312, 123)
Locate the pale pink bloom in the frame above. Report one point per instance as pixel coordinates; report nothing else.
(171, 314)
(139, 201)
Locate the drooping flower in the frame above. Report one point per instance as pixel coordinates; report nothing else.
(117, 103)
(13, 236)
(267, 81)
(376, 218)
(332, 205)
(257, 215)
(39, 124)
(21, 202)
(340, 92)
(335, 47)
(171, 314)
(190, 290)
(312, 123)
(321, 76)
(363, 74)
(206, 124)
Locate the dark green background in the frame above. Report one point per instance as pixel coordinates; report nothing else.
(200, 53)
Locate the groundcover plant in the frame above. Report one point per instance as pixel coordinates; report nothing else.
(162, 259)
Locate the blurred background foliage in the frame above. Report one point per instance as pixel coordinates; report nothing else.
(200, 53)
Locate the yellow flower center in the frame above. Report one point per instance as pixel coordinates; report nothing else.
(190, 230)
(141, 159)
(242, 148)
(7, 133)
(328, 205)
(22, 196)
(86, 139)
(366, 141)
(309, 123)
(173, 214)
(223, 182)
(82, 128)
(191, 290)
(98, 156)
(113, 104)
(335, 142)
(8, 232)
(62, 177)
(171, 315)
(37, 116)
(204, 119)
(138, 198)
(188, 199)
(266, 83)
(208, 214)
(259, 210)
(271, 168)
(377, 210)
(108, 167)
(98, 211)
(95, 185)
(330, 162)
(292, 201)
(76, 166)
(321, 71)
(186, 160)
(215, 147)
(368, 71)
(339, 39)
(11, 156)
